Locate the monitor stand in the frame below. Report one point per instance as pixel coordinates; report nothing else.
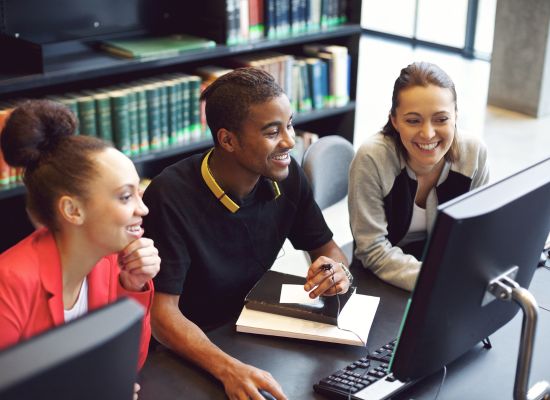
(506, 289)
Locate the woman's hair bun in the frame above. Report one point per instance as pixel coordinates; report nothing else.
(34, 130)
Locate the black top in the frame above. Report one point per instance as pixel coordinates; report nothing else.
(212, 257)
(399, 202)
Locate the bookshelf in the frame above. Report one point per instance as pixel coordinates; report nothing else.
(86, 68)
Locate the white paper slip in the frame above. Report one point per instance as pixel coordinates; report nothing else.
(297, 294)
(356, 318)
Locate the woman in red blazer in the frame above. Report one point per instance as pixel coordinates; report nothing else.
(90, 249)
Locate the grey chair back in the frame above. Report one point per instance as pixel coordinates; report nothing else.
(326, 164)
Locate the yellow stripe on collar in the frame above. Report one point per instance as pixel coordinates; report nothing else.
(214, 187)
(218, 191)
(276, 190)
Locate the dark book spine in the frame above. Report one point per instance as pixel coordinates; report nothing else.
(195, 92)
(270, 19)
(153, 116)
(306, 90)
(86, 115)
(315, 77)
(294, 16)
(142, 119)
(163, 107)
(121, 121)
(133, 121)
(173, 110)
(342, 11)
(185, 110)
(103, 117)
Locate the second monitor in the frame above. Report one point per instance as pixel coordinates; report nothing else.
(477, 238)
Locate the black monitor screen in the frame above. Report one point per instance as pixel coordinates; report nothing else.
(93, 357)
(476, 238)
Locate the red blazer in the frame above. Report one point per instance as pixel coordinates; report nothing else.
(31, 291)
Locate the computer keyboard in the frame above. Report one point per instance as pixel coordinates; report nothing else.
(366, 378)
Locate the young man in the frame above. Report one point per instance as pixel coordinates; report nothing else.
(219, 220)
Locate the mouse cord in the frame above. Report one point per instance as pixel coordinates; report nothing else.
(348, 330)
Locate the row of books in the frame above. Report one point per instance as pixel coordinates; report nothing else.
(10, 176)
(140, 116)
(137, 117)
(318, 80)
(156, 113)
(249, 20)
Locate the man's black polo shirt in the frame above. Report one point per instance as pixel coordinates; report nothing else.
(211, 257)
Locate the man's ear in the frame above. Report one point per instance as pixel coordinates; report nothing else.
(227, 139)
(71, 210)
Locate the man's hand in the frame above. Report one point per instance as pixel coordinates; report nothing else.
(327, 277)
(242, 381)
(139, 263)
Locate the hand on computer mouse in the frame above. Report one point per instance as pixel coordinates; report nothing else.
(267, 395)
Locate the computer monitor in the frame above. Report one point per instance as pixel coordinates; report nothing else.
(476, 238)
(93, 357)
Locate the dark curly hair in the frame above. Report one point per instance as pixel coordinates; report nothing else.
(229, 97)
(39, 136)
(420, 74)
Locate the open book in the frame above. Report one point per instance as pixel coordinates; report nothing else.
(353, 328)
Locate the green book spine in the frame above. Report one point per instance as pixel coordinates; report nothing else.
(143, 125)
(180, 133)
(163, 106)
(195, 93)
(133, 120)
(121, 121)
(86, 115)
(153, 116)
(186, 109)
(103, 116)
(172, 96)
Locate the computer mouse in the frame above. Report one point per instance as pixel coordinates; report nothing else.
(267, 395)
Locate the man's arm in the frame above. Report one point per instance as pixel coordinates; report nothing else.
(174, 330)
(329, 281)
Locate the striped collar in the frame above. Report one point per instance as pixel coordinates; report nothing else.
(219, 192)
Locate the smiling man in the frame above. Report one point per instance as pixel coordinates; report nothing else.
(219, 220)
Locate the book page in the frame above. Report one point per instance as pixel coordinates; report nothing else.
(297, 294)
